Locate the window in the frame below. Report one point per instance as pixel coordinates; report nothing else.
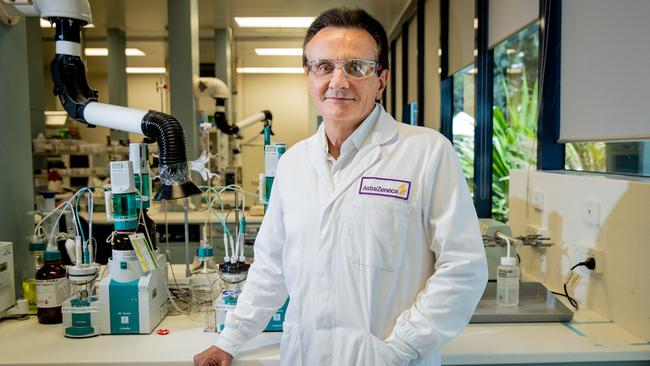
(514, 112)
(631, 158)
(463, 122)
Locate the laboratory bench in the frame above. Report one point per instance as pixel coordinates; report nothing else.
(580, 342)
(587, 339)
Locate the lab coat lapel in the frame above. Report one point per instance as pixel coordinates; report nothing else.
(369, 154)
(318, 162)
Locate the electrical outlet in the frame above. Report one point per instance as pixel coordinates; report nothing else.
(577, 252)
(599, 257)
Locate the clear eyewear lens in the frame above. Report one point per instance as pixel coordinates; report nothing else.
(351, 68)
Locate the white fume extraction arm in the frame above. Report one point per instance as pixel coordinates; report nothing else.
(80, 101)
(218, 90)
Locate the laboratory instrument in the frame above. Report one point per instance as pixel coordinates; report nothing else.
(52, 279)
(8, 305)
(234, 272)
(133, 296)
(272, 154)
(139, 157)
(80, 312)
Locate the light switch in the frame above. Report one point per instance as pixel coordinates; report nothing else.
(538, 200)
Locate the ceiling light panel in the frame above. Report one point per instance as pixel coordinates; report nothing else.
(274, 22)
(104, 52)
(134, 52)
(278, 51)
(146, 70)
(270, 70)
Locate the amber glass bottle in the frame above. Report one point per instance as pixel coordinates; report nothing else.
(52, 288)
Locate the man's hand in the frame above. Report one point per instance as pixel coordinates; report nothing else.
(213, 356)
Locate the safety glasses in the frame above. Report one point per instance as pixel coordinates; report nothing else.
(353, 68)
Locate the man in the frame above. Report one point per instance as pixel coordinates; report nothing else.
(370, 229)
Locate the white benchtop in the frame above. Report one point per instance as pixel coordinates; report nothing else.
(29, 343)
(587, 338)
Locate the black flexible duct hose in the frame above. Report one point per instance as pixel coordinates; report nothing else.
(69, 71)
(223, 125)
(168, 132)
(174, 170)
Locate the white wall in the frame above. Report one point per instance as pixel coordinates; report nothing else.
(287, 97)
(143, 94)
(622, 293)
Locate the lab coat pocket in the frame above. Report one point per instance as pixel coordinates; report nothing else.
(383, 354)
(290, 347)
(376, 233)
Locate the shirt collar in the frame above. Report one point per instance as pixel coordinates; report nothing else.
(360, 135)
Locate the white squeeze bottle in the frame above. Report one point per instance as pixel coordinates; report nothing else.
(508, 279)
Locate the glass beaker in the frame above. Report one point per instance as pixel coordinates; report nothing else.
(204, 289)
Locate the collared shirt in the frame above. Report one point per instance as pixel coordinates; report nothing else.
(350, 146)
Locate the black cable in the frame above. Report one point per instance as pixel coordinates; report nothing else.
(589, 263)
(572, 301)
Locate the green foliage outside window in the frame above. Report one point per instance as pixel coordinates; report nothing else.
(514, 142)
(514, 112)
(586, 156)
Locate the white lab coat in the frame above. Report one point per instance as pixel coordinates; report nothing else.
(373, 280)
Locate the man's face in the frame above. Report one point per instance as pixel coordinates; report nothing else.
(342, 99)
